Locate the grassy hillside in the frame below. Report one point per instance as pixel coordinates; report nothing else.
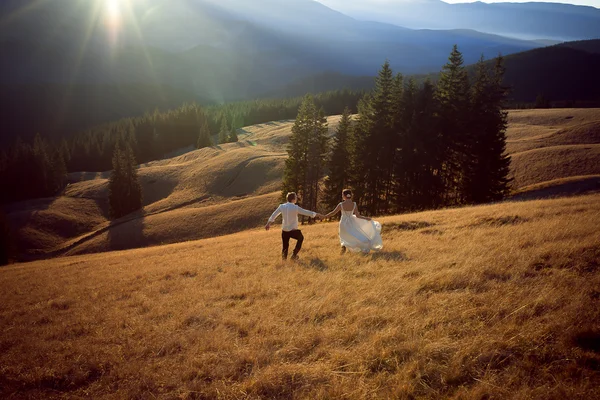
(226, 189)
(496, 301)
(549, 145)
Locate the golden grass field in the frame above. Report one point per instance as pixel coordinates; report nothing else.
(490, 302)
(233, 187)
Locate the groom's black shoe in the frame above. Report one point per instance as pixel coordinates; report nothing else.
(294, 257)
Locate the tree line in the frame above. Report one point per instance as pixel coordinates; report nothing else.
(410, 147)
(38, 168)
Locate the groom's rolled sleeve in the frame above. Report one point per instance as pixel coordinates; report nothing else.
(275, 214)
(307, 213)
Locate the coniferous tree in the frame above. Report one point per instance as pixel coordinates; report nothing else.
(125, 191)
(317, 151)
(454, 105)
(296, 165)
(306, 151)
(380, 146)
(204, 136)
(406, 163)
(233, 137)
(339, 162)
(359, 138)
(428, 182)
(488, 180)
(224, 131)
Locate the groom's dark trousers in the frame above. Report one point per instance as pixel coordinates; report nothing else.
(285, 237)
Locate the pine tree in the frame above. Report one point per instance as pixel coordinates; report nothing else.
(359, 138)
(233, 137)
(380, 146)
(428, 183)
(453, 97)
(224, 131)
(317, 152)
(488, 180)
(339, 161)
(306, 150)
(204, 136)
(125, 191)
(296, 165)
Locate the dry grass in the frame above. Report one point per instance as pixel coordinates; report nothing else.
(548, 145)
(201, 179)
(194, 195)
(498, 301)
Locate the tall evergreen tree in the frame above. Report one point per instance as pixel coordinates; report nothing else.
(379, 151)
(224, 131)
(203, 136)
(306, 150)
(125, 191)
(339, 162)
(488, 179)
(317, 152)
(233, 137)
(454, 106)
(359, 139)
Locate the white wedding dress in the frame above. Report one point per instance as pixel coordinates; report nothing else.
(359, 235)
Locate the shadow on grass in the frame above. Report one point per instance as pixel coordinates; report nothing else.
(395, 255)
(314, 263)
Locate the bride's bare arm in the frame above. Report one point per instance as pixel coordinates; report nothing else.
(358, 214)
(331, 214)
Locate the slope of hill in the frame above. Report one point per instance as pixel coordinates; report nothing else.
(547, 146)
(203, 193)
(497, 301)
(530, 20)
(225, 189)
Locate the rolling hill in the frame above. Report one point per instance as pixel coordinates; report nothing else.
(233, 187)
(497, 301)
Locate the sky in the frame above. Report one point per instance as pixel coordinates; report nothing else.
(593, 3)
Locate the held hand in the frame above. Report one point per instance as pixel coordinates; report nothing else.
(267, 226)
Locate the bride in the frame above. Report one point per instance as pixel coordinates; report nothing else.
(357, 233)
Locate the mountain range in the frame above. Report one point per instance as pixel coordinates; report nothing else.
(58, 55)
(533, 20)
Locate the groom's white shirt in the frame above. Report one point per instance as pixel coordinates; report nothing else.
(289, 212)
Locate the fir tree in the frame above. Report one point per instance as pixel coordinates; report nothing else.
(380, 144)
(204, 136)
(306, 151)
(224, 131)
(488, 180)
(317, 152)
(339, 162)
(453, 97)
(233, 137)
(358, 142)
(125, 191)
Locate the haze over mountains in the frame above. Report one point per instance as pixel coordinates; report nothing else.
(525, 20)
(62, 55)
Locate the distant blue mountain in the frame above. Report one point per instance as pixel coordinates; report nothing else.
(525, 20)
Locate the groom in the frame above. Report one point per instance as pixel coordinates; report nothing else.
(289, 227)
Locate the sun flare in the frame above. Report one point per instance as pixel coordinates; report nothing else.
(113, 11)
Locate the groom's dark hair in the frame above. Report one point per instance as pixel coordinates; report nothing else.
(291, 196)
(347, 193)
